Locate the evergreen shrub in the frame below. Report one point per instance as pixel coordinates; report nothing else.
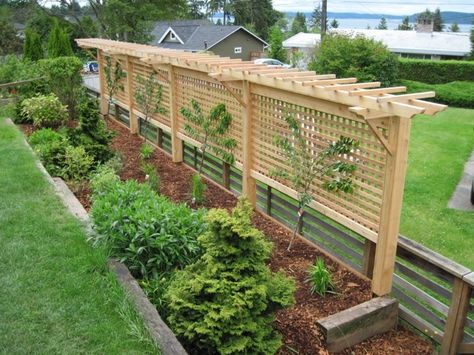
(436, 71)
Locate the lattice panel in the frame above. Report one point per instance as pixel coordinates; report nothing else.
(121, 95)
(364, 205)
(208, 93)
(140, 68)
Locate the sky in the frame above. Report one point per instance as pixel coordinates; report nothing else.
(386, 7)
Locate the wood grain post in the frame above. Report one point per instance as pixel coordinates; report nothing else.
(176, 143)
(249, 186)
(226, 175)
(130, 100)
(454, 329)
(394, 183)
(104, 102)
(368, 258)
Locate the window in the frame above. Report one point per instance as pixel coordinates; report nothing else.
(238, 50)
(172, 35)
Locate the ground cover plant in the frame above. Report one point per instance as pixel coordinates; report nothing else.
(57, 295)
(226, 301)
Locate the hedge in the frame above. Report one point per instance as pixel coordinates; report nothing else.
(457, 93)
(436, 71)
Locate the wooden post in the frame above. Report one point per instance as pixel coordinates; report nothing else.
(226, 175)
(454, 329)
(131, 102)
(249, 186)
(369, 258)
(176, 143)
(394, 183)
(103, 100)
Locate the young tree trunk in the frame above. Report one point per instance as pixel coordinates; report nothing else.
(297, 228)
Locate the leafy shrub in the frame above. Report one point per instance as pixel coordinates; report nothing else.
(147, 232)
(45, 110)
(146, 151)
(77, 164)
(20, 116)
(52, 155)
(457, 93)
(103, 179)
(151, 176)
(320, 278)
(155, 290)
(198, 187)
(360, 57)
(436, 71)
(92, 132)
(225, 302)
(115, 163)
(63, 75)
(45, 136)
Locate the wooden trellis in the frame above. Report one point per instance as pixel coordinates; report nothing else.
(259, 97)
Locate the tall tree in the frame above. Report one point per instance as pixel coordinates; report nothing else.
(276, 45)
(10, 42)
(33, 49)
(454, 27)
(299, 23)
(195, 9)
(316, 16)
(334, 23)
(405, 25)
(382, 24)
(472, 40)
(258, 13)
(438, 22)
(59, 44)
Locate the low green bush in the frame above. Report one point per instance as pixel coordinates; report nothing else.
(103, 179)
(151, 176)
(147, 232)
(45, 110)
(457, 93)
(45, 136)
(198, 187)
(225, 302)
(436, 71)
(50, 146)
(77, 164)
(146, 151)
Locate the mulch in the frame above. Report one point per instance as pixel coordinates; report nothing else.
(298, 323)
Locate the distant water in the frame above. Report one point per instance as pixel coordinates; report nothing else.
(361, 23)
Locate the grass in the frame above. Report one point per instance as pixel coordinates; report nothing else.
(57, 294)
(439, 148)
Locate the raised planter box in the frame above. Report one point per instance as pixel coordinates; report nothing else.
(353, 325)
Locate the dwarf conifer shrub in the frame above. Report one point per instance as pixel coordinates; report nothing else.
(225, 302)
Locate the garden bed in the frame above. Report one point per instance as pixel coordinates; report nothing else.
(297, 324)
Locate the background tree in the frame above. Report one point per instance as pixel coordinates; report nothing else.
(454, 27)
(306, 166)
(258, 13)
(59, 44)
(276, 45)
(10, 42)
(438, 22)
(225, 303)
(472, 40)
(299, 23)
(195, 9)
(334, 23)
(33, 49)
(360, 57)
(316, 16)
(113, 79)
(382, 24)
(148, 96)
(405, 25)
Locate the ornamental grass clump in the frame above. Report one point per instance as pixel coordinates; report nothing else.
(320, 278)
(226, 301)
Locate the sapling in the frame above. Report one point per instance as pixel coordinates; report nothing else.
(148, 95)
(113, 79)
(211, 131)
(306, 165)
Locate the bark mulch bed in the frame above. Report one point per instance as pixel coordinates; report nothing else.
(297, 324)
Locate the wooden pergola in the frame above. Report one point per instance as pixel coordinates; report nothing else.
(379, 117)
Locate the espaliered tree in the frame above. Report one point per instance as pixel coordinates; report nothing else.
(225, 302)
(113, 79)
(148, 96)
(210, 130)
(306, 165)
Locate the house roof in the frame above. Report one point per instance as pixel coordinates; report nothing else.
(431, 43)
(194, 34)
(302, 40)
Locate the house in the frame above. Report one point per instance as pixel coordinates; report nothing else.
(202, 35)
(422, 43)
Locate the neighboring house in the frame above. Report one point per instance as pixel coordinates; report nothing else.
(202, 35)
(424, 43)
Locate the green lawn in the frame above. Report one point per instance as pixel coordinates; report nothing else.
(439, 148)
(56, 293)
